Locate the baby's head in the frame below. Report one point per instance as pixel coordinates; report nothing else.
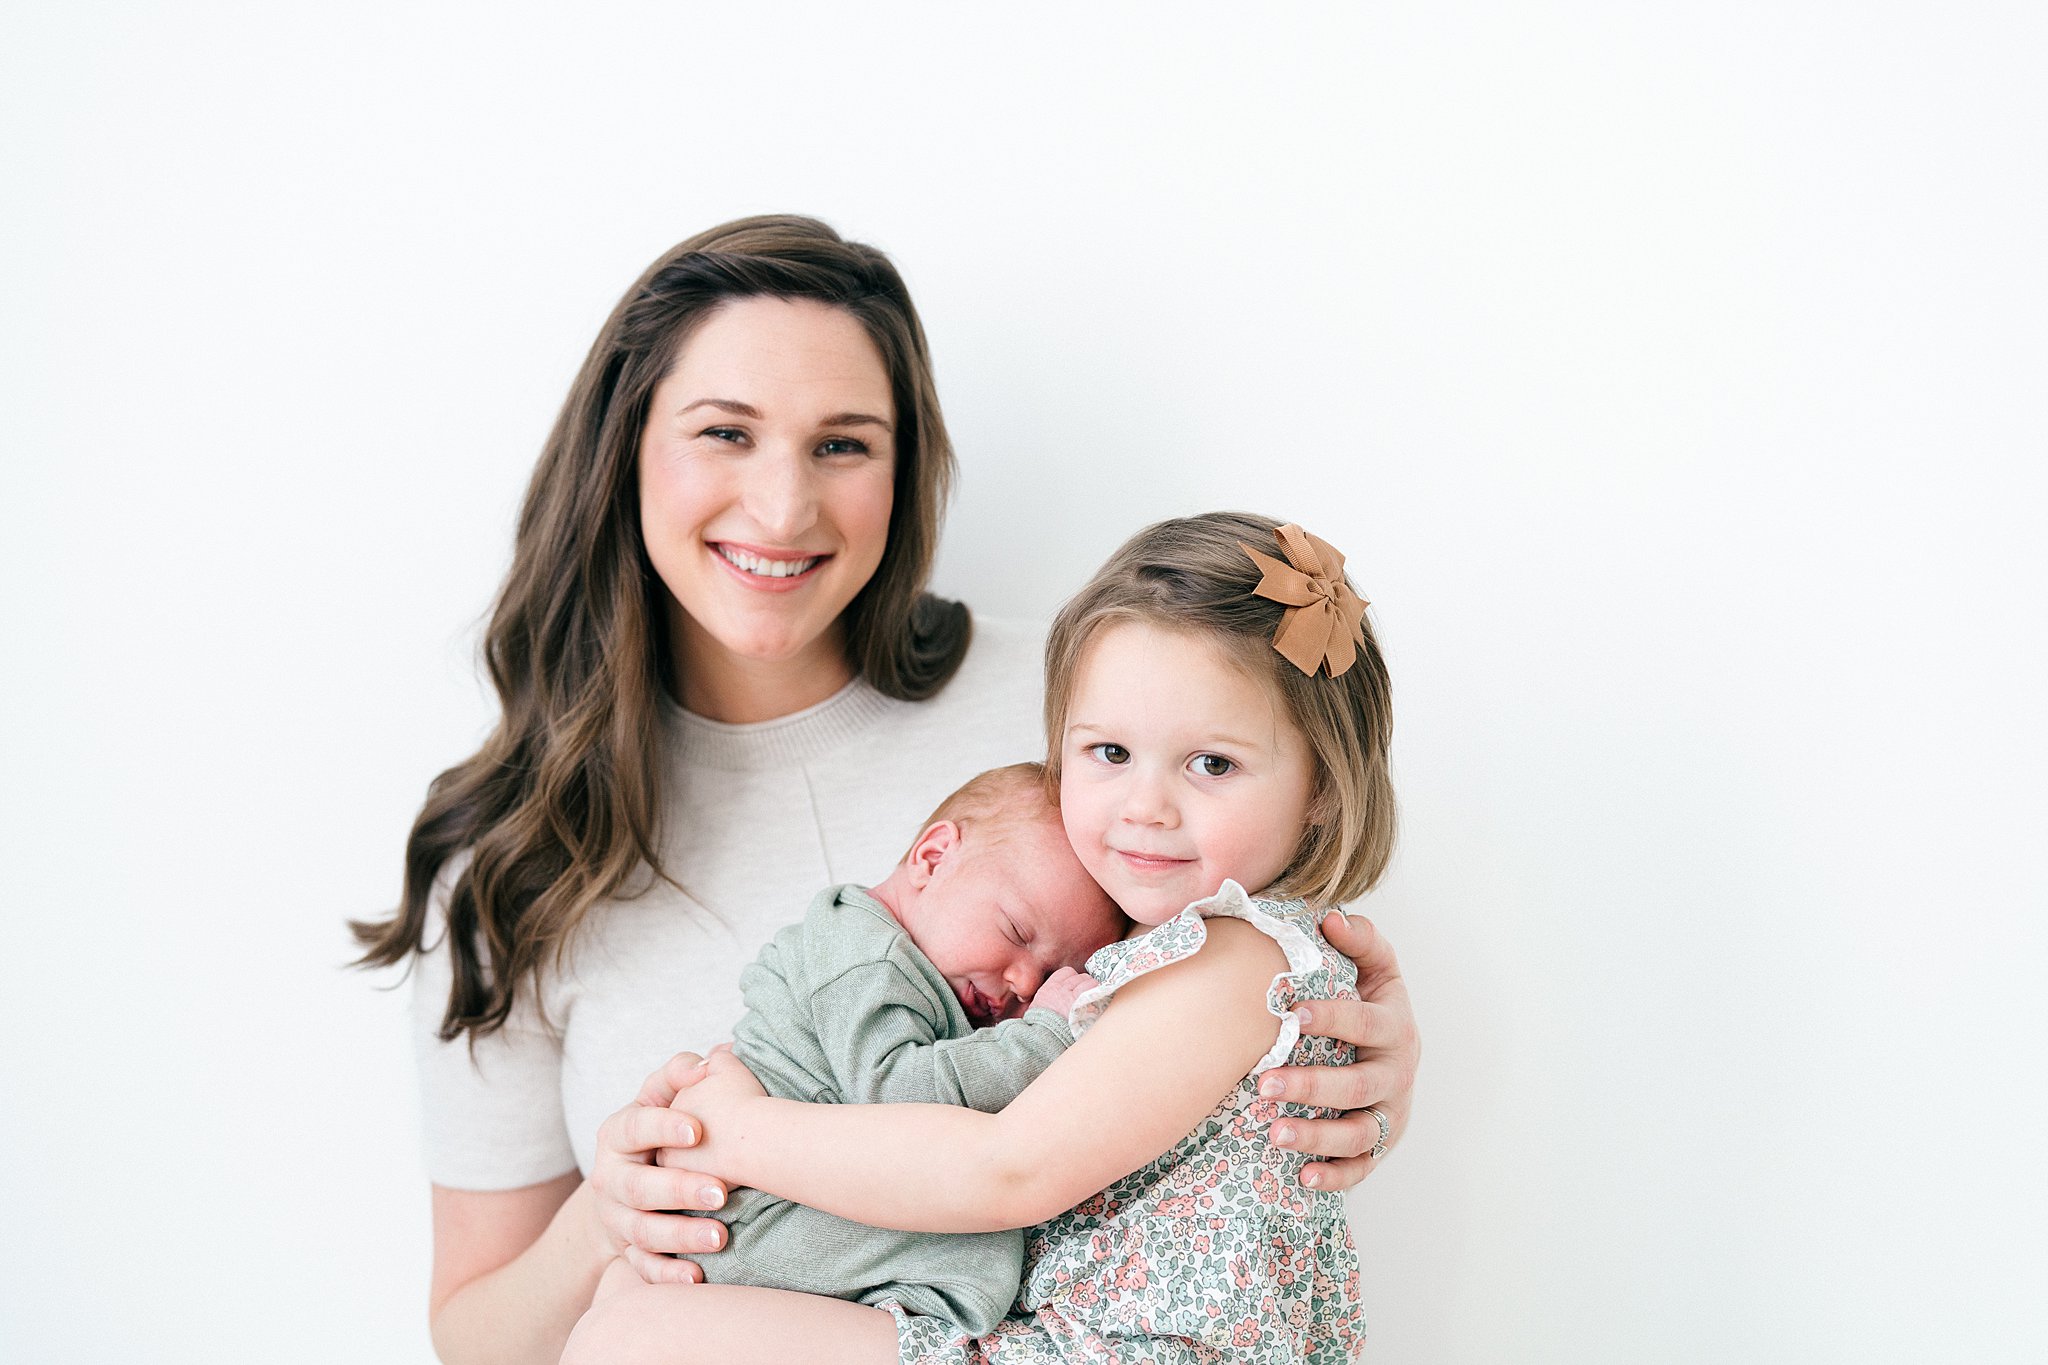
(1186, 749)
(992, 893)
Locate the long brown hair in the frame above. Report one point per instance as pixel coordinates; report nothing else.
(563, 804)
(1191, 574)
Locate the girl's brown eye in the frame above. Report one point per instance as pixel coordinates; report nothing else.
(1213, 765)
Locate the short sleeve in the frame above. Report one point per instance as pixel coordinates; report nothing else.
(494, 1120)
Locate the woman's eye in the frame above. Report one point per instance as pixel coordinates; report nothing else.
(842, 445)
(1110, 753)
(725, 433)
(1213, 765)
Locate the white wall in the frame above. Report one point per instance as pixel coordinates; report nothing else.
(1673, 377)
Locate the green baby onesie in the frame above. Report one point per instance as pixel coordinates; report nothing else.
(842, 1008)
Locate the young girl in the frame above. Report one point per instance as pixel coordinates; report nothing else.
(1217, 718)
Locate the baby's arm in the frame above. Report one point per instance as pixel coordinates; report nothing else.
(880, 1030)
(1175, 1043)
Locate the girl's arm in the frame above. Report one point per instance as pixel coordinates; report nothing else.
(1174, 1043)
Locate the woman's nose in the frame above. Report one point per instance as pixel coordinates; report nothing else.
(782, 495)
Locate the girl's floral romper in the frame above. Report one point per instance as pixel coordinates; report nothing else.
(1213, 1252)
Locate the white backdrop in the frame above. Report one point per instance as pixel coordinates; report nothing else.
(1673, 377)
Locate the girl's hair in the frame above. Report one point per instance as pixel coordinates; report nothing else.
(1191, 574)
(563, 804)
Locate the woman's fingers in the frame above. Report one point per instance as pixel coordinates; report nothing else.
(1338, 1174)
(1346, 1135)
(639, 1129)
(1340, 1137)
(676, 1075)
(1388, 1050)
(1345, 1141)
(636, 1199)
(1356, 938)
(668, 1233)
(1362, 1023)
(1340, 1087)
(661, 1269)
(659, 1189)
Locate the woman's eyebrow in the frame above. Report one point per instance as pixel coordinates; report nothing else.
(739, 409)
(855, 419)
(727, 404)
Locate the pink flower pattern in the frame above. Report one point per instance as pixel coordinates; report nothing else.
(1212, 1253)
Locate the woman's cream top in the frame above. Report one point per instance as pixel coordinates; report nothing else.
(759, 818)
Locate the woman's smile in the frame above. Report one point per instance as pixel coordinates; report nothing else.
(767, 570)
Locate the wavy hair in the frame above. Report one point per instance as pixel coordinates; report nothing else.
(563, 804)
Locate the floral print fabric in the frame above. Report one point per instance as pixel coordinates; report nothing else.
(1213, 1252)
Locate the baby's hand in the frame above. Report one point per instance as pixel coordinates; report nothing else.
(1059, 991)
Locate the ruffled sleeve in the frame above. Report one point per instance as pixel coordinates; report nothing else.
(1313, 972)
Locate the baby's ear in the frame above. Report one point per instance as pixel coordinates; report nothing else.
(940, 841)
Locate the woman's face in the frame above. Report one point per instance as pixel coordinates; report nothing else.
(767, 472)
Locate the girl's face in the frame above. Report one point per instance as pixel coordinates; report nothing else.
(767, 473)
(1177, 771)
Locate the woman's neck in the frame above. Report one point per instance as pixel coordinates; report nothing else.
(720, 685)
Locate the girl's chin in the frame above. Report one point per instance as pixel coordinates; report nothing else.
(1155, 909)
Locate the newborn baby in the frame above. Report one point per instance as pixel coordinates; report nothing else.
(949, 982)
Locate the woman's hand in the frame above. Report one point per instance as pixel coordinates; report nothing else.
(708, 1089)
(633, 1192)
(1381, 1024)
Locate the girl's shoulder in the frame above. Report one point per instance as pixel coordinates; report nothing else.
(1236, 948)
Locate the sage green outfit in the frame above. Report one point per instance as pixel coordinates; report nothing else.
(842, 1008)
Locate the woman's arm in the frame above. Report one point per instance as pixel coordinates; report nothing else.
(1382, 1026)
(1173, 1044)
(514, 1269)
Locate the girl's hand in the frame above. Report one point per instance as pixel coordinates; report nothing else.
(633, 1193)
(708, 1089)
(1381, 1024)
(1059, 991)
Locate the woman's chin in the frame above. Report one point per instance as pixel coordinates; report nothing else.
(778, 641)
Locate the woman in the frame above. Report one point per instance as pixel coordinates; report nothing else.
(724, 686)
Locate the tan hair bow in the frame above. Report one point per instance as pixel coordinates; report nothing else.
(1324, 623)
